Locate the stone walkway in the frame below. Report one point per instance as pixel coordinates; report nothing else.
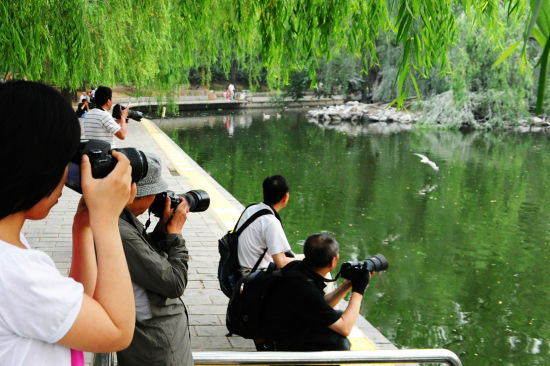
(205, 302)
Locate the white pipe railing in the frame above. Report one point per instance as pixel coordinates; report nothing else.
(327, 358)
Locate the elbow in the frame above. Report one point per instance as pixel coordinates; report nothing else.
(115, 343)
(177, 290)
(124, 341)
(121, 134)
(346, 332)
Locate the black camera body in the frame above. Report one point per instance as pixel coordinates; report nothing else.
(135, 115)
(373, 264)
(103, 162)
(198, 201)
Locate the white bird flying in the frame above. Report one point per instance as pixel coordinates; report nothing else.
(425, 160)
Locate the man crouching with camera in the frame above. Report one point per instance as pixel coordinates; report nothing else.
(158, 269)
(299, 316)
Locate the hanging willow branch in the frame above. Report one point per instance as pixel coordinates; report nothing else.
(155, 43)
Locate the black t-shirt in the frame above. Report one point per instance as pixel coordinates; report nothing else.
(295, 304)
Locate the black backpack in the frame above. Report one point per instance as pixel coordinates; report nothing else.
(228, 266)
(244, 312)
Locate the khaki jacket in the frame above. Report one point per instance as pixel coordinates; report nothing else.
(158, 263)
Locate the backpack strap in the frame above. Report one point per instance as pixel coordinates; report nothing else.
(262, 212)
(258, 262)
(237, 223)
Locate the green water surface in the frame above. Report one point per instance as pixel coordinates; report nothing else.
(467, 245)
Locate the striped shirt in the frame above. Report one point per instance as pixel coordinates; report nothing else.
(99, 124)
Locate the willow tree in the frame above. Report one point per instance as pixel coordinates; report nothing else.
(155, 43)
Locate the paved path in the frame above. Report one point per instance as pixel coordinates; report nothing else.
(205, 302)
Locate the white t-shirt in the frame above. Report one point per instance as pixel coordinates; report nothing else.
(99, 124)
(38, 306)
(265, 232)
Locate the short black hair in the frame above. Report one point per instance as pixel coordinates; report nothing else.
(275, 188)
(319, 249)
(102, 95)
(40, 134)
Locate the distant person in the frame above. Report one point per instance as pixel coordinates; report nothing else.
(158, 264)
(46, 316)
(298, 316)
(99, 124)
(231, 89)
(82, 108)
(265, 237)
(83, 96)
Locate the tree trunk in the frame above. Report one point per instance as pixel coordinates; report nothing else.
(233, 72)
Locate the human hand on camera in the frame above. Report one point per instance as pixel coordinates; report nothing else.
(123, 114)
(359, 281)
(173, 220)
(106, 197)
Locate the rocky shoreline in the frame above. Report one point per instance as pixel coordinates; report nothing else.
(355, 117)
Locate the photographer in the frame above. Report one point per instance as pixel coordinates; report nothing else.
(158, 268)
(298, 315)
(98, 122)
(82, 108)
(44, 315)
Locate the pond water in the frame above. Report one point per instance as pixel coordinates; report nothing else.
(467, 245)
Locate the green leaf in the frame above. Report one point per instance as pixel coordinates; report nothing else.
(541, 38)
(507, 52)
(415, 86)
(542, 76)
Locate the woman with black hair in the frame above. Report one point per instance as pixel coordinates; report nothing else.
(45, 316)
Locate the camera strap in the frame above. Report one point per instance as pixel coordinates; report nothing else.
(148, 222)
(309, 269)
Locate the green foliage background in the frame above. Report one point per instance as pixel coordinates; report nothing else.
(155, 43)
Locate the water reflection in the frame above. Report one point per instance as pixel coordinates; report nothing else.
(468, 245)
(230, 121)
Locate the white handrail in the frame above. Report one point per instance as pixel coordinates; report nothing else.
(327, 358)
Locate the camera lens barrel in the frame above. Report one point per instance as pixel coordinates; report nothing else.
(135, 115)
(103, 162)
(138, 161)
(198, 201)
(375, 263)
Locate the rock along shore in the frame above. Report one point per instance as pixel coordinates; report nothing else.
(355, 117)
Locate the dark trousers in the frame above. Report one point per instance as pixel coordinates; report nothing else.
(323, 339)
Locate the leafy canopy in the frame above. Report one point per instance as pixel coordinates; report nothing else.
(154, 43)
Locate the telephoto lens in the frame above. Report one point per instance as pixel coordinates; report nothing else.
(375, 263)
(135, 115)
(198, 201)
(103, 162)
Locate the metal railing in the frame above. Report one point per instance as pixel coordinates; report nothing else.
(327, 358)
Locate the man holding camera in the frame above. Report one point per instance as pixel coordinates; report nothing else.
(99, 124)
(298, 316)
(158, 264)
